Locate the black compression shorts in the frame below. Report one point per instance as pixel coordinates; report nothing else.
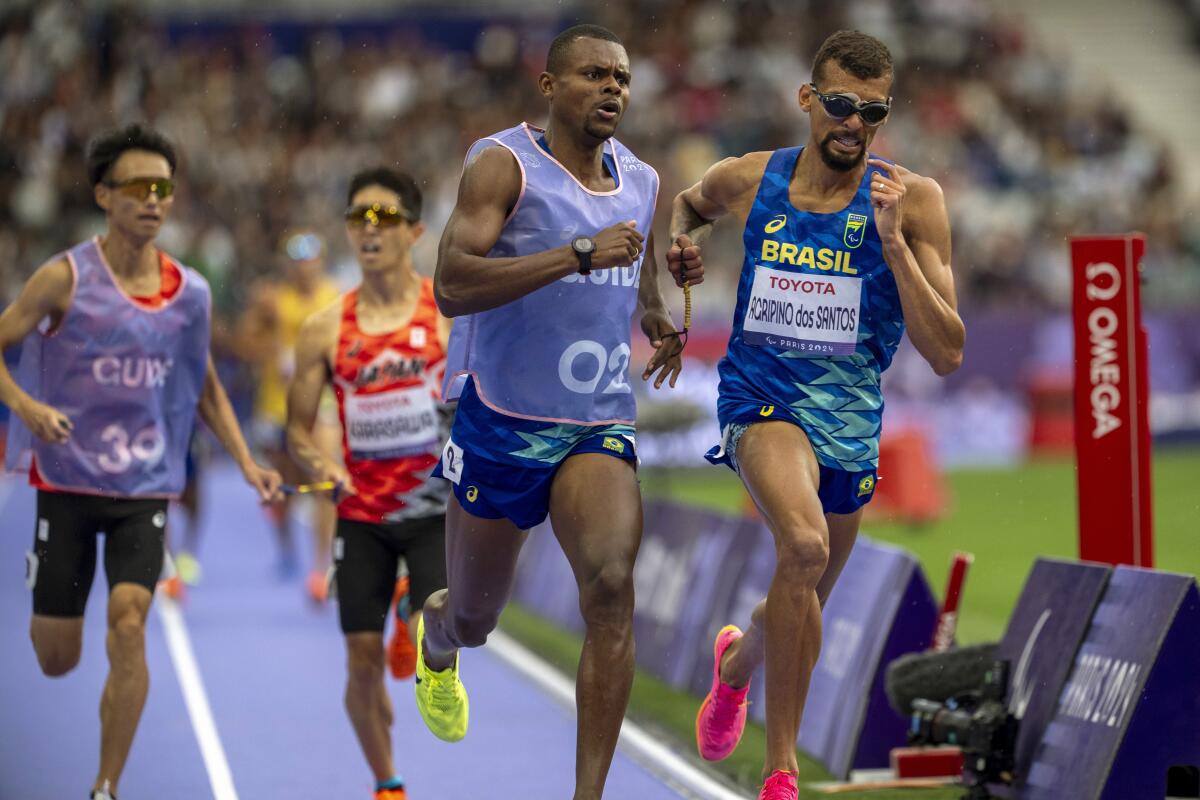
(366, 557)
(62, 564)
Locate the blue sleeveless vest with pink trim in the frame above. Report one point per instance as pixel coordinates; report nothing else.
(561, 353)
(128, 378)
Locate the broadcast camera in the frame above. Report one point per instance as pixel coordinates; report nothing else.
(975, 719)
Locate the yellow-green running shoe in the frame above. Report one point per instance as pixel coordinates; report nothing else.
(188, 568)
(441, 696)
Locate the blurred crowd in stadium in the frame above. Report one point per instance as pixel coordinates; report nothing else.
(272, 117)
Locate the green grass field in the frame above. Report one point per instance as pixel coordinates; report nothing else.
(1007, 518)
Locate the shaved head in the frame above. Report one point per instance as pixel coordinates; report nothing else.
(557, 55)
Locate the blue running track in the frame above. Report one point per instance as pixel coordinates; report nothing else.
(272, 667)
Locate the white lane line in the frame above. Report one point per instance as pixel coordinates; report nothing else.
(179, 644)
(660, 760)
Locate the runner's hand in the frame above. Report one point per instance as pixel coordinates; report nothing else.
(668, 350)
(344, 486)
(618, 246)
(265, 481)
(47, 423)
(683, 261)
(887, 194)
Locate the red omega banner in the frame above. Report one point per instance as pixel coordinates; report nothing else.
(1112, 429)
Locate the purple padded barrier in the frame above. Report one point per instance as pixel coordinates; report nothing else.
(683, 555)
(733, 592)
(1049, 622)
(912, 631)
(881, 601)
(1131, 708)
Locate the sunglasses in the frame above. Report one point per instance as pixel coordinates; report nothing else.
(839, 106)
(142, 188)
(378, 215)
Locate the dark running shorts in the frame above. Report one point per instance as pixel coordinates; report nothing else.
(840, 492)
(366, 556)
(62, 564)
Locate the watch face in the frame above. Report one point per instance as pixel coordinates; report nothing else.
(583, 244)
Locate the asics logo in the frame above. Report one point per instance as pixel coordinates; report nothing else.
(776, 224)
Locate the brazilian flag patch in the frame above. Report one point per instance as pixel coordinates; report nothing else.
(866, 485)
(614, 444)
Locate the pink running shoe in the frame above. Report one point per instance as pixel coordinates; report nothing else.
(780, 785)
(722, 716)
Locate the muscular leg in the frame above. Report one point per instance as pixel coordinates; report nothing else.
(781, 473)
(66, 537)
(58, 642)
(367, 701)
(481, 562)
(128, 680)
(746, 654)
(596, 511)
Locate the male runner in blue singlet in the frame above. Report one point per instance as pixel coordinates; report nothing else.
(545, 260)
(843, 252)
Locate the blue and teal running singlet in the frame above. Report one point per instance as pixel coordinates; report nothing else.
(817, 320)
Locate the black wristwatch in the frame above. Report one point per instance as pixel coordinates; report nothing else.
(583, 247)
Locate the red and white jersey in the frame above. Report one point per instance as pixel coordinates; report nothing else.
(393, 424)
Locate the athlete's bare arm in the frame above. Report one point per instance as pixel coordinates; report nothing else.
(657, 324)
(466, 281)
(315, 349)
(910, 215)
(728, 187)
(217, 413)
(46, 294)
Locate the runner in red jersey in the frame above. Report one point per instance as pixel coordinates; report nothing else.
(383, 347)
(387, 386)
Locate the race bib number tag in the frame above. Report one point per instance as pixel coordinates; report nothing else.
(816, 314)
(394, 424)
(452, 462)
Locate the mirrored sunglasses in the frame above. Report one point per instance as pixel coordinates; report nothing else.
(378, 215)
(142, 188)
(839, 106)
